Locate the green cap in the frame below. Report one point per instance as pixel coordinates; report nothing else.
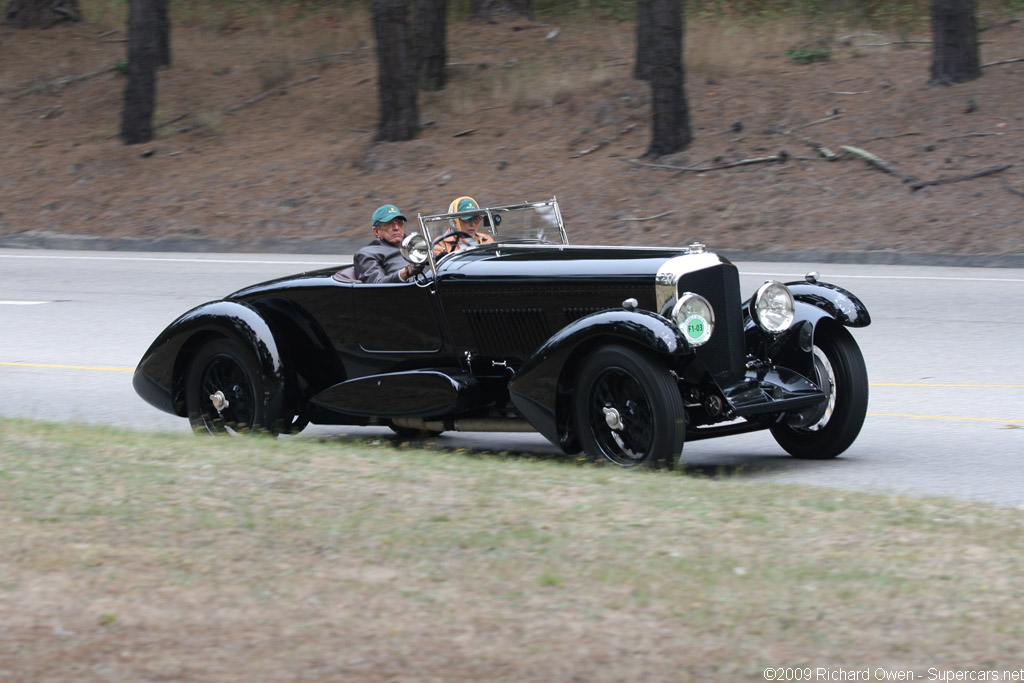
(386, 213)
(468, 205)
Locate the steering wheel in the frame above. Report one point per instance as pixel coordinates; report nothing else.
(450, 233)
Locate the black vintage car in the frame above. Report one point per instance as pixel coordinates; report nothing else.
(623, 353)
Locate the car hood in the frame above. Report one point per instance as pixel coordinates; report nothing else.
(556, 261)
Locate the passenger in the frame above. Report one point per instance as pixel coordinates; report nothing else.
(468, 222)
(381, 261)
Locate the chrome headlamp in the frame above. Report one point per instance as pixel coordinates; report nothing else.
(415, 249)
(772, 307)
(694, 316)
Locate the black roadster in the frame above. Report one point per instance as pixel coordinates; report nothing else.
(622, 353)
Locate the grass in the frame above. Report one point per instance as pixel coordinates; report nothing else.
(436, 544)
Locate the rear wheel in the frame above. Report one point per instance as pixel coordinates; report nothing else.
(225, 390)
(840, 372)
(628, 410)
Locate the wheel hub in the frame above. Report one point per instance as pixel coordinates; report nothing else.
(219, 401)
(613, 418)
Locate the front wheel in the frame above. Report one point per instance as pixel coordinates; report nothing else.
(628, 410)
(840, 372)
(224, 391)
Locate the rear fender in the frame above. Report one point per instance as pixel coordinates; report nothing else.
(160, 375)
(542, 387)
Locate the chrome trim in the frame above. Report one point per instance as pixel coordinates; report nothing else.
(676, 267)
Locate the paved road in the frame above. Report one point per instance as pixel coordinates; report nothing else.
(944, 354)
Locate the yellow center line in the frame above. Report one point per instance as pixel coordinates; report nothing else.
(949, 417)
(67, 367)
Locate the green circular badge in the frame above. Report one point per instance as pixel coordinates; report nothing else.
(696, 329)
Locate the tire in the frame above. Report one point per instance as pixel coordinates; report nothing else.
(839, 369)
(224, 367)
(628, 410)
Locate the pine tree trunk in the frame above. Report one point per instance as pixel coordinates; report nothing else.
(431, 46)
(399, 115)
(670, 127)
(955, 42)
(40, 13)
(644, 27)
(163, 33)
(143, 59)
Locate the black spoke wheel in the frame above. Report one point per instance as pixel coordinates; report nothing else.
(841, 373)
(628, 410)
(225, 390)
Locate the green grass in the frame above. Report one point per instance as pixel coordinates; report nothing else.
(288, 527)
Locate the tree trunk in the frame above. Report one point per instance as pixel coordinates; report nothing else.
(431, 43)
(163, 33)
(143, 59)
(399, 116)
(40, 13)
(670, 127)
(490, 9)
(955, 42)
(644, 28)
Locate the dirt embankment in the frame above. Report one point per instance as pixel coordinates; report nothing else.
(526, 115)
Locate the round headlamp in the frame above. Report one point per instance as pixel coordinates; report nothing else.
(772, 307)
(694, 316)
(415, 248)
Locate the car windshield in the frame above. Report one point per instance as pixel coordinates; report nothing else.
(532, 222)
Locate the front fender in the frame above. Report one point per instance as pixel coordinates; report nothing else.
(834, 300)
(160, 375)
(545, 378)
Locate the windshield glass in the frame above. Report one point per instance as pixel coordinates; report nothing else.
(532, 222)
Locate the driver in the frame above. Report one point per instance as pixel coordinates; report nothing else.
(468, 222)
(381, 261)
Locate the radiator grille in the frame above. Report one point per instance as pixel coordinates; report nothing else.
(508, 332)
(724, 354)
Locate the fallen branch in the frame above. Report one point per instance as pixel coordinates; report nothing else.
(967, 135)
(855, 92)
(781, 156)
(603, 142)
(1004, 61)
(970, 176)
(648, 218)
(235, 107)
(172, 121)
(1014, 190)
(876, 162)
(813, 123)
(588, 150)
(61, 82)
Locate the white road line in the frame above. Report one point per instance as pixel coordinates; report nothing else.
(837, 276)
(21, 303)
(173, 259)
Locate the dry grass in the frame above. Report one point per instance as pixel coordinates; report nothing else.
(133, 557)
